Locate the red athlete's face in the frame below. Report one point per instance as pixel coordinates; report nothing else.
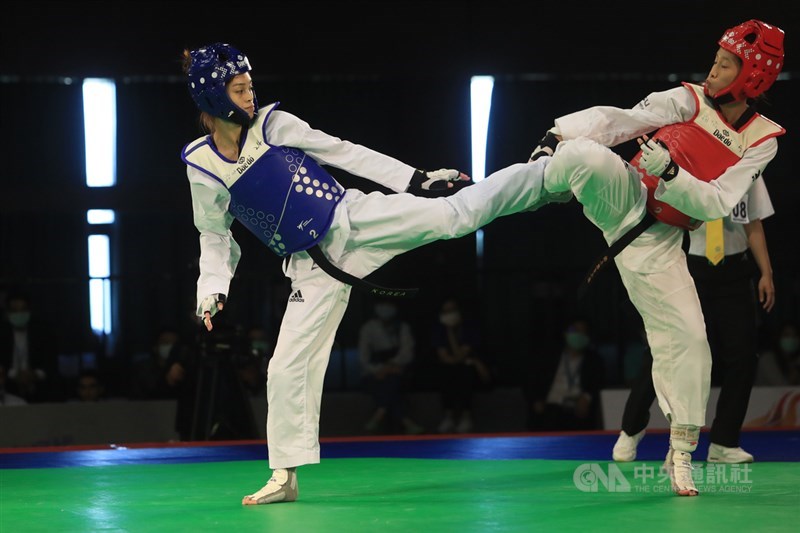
(723, 72)
(240, 91)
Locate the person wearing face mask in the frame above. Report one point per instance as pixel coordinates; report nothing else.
(28, 353)
(565, 392)
(159, 373)
(385, 349)
(780, 366)
(457, 346)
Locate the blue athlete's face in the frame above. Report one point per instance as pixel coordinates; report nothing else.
(240, 91)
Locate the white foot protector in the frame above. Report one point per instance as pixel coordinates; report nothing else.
(679, 466)
(281, 487)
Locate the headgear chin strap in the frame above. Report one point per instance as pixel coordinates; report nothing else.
(759, 46)
(212, 67)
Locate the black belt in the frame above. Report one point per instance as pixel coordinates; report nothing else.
(339, 274)
(615, 249)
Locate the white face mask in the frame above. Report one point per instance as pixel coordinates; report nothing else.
(19, 319)
(450, 318)
(163, 350)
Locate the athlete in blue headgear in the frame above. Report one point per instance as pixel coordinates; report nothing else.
(262, 167)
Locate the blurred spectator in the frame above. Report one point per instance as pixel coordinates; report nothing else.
(457, 345)
(216, 404)
(780, 366)
(386, 347)
(252, 366)
(158, 373)
(6, 398)
(28, 353)
(635, 354)
(89, 387)
(565, 390)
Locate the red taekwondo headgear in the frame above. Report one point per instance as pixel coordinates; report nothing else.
(760, 47)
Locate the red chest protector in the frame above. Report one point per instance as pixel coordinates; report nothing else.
(705, 146)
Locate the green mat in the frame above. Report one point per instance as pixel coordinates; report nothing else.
(381, 495)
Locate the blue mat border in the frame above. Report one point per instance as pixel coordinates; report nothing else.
(765, 445)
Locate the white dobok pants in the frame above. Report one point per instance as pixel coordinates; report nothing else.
(653, 269)
(368, 230)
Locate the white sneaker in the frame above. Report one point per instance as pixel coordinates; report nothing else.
(679, 466)
(281, 487)
(723, 454)
(625, 448)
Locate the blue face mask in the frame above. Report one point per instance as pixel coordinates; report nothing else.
(789, 344)
(164, 350)
(577, 341)
(259, 347)
(19, 319)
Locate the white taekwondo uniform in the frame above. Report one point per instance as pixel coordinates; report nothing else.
(653, 267)
(365, 231)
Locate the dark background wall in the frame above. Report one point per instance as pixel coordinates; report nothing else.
(390, 75)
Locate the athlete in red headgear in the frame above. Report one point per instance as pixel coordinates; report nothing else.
(759, 47)
(708, 145)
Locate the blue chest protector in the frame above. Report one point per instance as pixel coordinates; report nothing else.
(279, 193)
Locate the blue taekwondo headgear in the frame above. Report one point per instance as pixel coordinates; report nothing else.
(211, 68)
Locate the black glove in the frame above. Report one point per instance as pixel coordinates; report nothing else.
(436, 183)
(212, 303)
(547, 146)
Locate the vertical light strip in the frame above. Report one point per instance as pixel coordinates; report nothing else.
(481, 104)
(480, 108)
(100, 131)
(99, 284)
(100, 136)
